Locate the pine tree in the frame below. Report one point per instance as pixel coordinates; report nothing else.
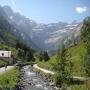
(29, 56)
(20, 54)
(45, 56)
(40, 55)
(63, 68)
(25, 53)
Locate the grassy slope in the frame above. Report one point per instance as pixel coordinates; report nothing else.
(77, 52)
(9, 78)
(48, 64)
(2, 62)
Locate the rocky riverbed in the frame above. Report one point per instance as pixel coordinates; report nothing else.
(31, 81)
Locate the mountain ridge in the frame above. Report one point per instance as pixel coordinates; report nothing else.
(9, 34)
(45, 36)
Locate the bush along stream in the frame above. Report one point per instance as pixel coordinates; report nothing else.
(10, 80)
(30, 80)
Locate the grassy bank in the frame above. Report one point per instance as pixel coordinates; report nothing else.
(84, 86)
(10, 78)
(51, 78)
(2, 62)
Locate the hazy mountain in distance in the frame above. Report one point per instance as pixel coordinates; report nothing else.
(45, 36)
(21, 25)
(6, 35)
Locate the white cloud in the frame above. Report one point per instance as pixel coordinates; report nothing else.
(81, 10)
(13, 2)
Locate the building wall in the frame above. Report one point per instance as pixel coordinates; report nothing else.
(5, 54)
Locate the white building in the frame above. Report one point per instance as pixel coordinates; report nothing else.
(5, 54)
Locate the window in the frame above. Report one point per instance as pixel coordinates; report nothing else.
(2, 54)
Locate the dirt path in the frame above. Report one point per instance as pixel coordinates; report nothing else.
(42, 69)
(51, 72)
(2, 70)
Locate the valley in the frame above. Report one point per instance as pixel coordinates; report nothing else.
(44, 56)
(44, 36)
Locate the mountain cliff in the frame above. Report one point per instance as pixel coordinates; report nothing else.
(10, 33)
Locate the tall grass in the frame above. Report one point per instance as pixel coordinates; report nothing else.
(10, 78)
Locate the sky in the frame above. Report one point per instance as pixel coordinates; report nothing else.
(51, 11)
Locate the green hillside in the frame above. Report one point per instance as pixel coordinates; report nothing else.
(9, 78)
(77, 52)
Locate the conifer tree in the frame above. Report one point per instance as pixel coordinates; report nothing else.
(63, 68)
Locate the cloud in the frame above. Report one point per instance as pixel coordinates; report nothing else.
(13, 2)
(81, 10)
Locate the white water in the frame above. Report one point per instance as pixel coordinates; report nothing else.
(33, 82)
